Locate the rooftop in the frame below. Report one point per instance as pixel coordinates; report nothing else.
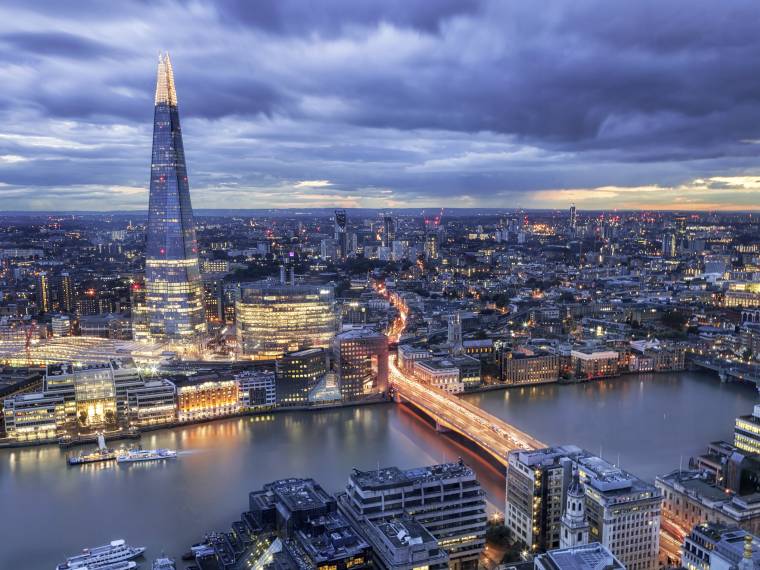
(393, 476)
(592, 556)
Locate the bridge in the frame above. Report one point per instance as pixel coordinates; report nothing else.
(730, 370)
(492, 435)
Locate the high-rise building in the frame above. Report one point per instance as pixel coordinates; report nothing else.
(431, 246)
(66, 298)
(275, 318)
(573, 218)
(362, 362)
(44, 304)
(174, 292)
(668, 245)
(297, 373)
(341, 233)
(389, 230)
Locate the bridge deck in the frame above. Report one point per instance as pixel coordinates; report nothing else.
(488, 432)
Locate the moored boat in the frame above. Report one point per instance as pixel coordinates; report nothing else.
(134, 455)
(103, 557)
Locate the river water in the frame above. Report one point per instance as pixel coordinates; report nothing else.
(49, 510)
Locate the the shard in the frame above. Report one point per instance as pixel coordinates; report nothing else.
(173, 288)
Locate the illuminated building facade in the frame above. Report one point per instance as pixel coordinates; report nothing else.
(297, 373)
(529, 367)
(623, 512)
(43, 293)
(588, 364)
(747, 432)
(152, 403)
(199, 401)
(174, 292)
(34, 417)
(362, 362)
(273, 319)
(83, 399)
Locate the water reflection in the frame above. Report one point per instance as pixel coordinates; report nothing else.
(649, 420)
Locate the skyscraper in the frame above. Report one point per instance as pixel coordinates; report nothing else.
(341, 233)
(174, 293)
(573, 218)
(389, 230)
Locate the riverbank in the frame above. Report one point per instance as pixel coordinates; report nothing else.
(644, 422)
(92, 438)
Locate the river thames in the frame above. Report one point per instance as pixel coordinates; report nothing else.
(50, 511)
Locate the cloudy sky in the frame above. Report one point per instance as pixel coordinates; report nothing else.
(393, 103)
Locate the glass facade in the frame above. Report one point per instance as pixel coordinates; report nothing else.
(273, 319)
(174, 292)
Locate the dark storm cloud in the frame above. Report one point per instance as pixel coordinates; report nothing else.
(58, 44)
(457, 100)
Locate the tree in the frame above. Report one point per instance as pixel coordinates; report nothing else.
(110, 417)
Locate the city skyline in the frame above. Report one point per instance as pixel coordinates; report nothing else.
(388, 107)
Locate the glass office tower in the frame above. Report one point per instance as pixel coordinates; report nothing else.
(173, 288)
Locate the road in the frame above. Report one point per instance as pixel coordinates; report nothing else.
(490, 433)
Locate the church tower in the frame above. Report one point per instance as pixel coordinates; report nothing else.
(574, 527)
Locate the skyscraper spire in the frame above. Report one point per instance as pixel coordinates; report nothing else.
(173, 289)
(165, 92)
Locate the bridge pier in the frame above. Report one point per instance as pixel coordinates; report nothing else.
(723, 377)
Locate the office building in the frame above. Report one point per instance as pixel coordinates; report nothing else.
(207, 399)
(537, 482)
(692, 497)
(173, 288)
(446, 499)
(154, 402)
(275, 318)
(453, 374)
(622, 512)
(711, 546)
(297, 373)
(257, 389)
(34, 417)
(361, 358)
(529, 366)
(668, 245)
(747, 431)
(588, 364)
(60, 325)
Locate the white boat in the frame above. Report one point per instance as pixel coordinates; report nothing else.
(103, 557)
(127, 565)
(146, 455)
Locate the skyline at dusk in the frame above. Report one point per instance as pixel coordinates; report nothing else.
(388, 105)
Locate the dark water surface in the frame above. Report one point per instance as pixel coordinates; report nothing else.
(49, 511)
